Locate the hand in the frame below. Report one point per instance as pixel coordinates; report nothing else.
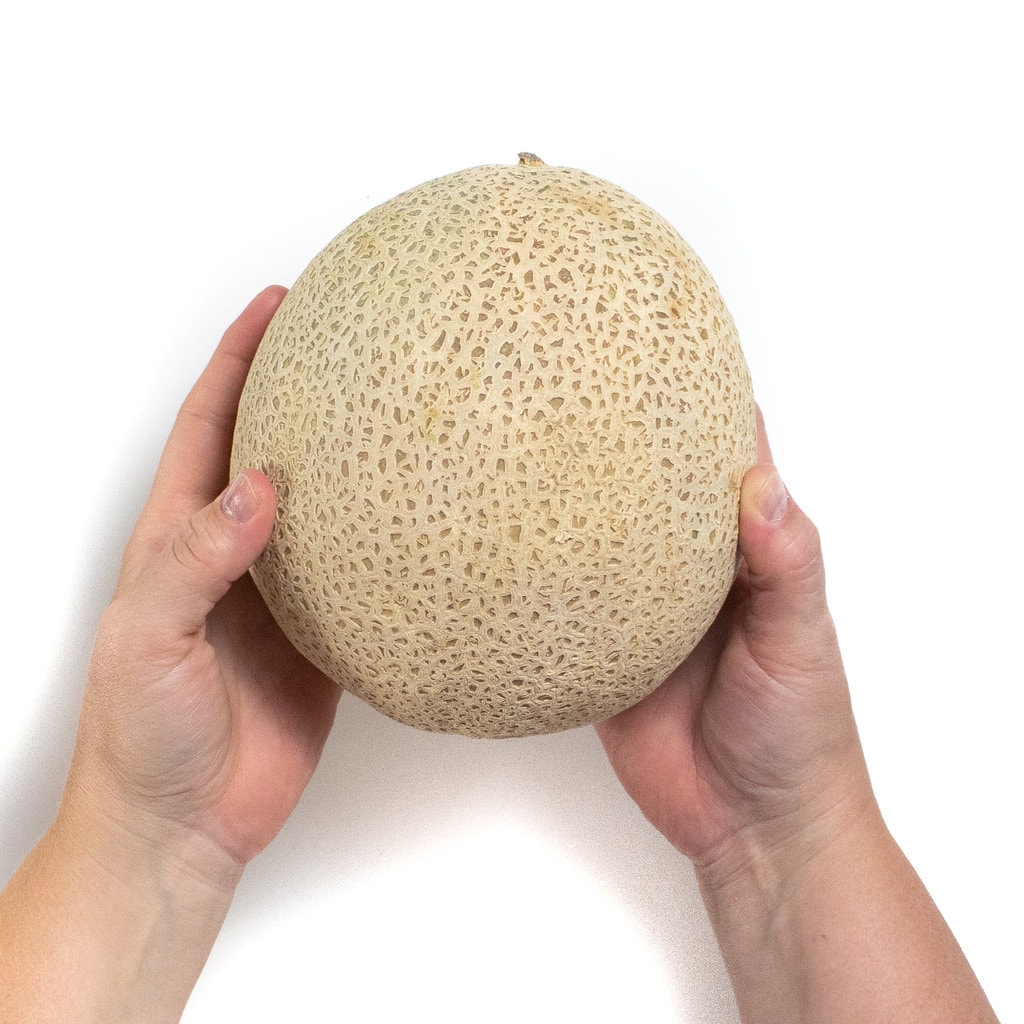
(751, 741)
(747, 759)
(198, 714)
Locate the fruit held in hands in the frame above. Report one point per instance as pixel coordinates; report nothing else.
(507, 417)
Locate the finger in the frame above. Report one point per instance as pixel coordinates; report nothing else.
(200, 561)
(787, 618)
(194, 465)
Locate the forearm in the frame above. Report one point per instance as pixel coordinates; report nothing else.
(844, 933)
(104, 927)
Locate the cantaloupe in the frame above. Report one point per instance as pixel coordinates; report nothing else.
(507, 416)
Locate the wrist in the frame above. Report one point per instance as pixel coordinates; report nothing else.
(101, 923)
(834, 925)
(134, 909)
(148, 861)
(766, 861)
(753, 880)
(145, 849)
(783, 903)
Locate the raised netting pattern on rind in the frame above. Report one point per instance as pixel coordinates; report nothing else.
(507, 417)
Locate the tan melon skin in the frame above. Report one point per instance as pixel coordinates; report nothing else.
(507, 417)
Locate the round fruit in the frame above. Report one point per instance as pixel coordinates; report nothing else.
(507, 417)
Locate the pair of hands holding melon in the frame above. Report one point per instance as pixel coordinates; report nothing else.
(193, 683)
(202, 725)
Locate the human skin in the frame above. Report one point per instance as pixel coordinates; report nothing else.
(748, 760)
(201, 726)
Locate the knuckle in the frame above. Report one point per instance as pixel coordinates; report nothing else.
(196, 551)
(805, 567)
(196, 548)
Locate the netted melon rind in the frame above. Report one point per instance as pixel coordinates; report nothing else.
(507, 417)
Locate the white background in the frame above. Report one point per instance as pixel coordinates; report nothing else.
(852, 176)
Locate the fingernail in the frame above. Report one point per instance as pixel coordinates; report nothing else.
(773, 499)
(240, 501)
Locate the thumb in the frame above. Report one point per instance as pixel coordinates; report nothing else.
(215, 547)
(788, 624)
